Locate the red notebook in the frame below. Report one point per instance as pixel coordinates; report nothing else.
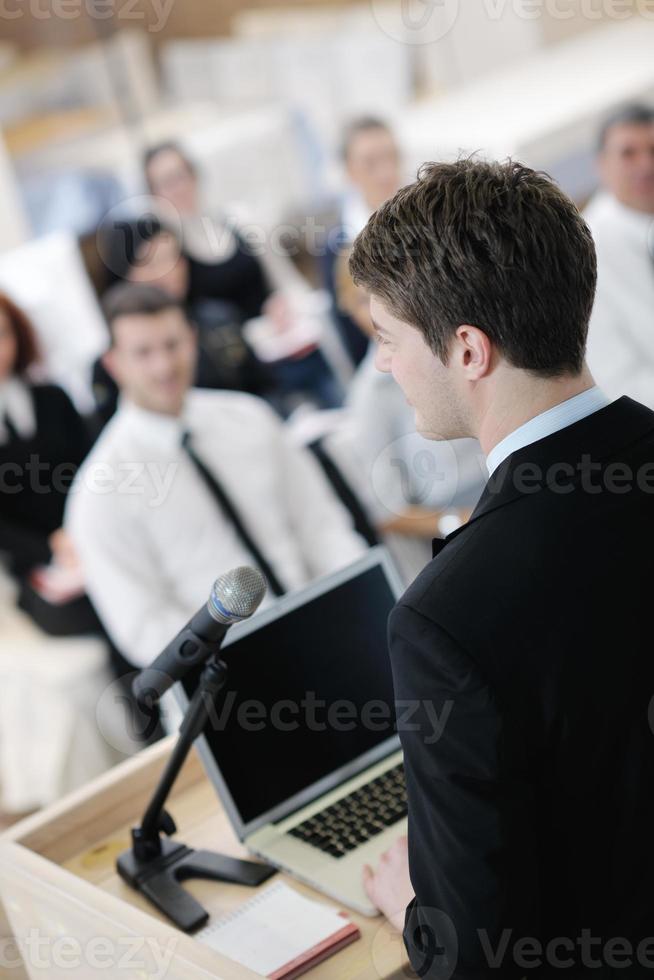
(279, 933)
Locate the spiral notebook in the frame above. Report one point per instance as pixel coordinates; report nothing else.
(280, 934)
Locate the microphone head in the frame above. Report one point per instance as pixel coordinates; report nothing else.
(236, 594)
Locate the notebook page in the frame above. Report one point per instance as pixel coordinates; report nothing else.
(272, 929)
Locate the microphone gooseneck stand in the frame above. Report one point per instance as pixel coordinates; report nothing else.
(155, 866)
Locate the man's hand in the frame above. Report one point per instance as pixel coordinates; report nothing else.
(389, 888)
(63, 549)
(279, 310)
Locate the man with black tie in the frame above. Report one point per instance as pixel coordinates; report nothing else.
(530, 847)
(184, 484)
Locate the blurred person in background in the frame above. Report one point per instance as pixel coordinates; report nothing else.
(145, 251)
(222, 266)
(372, 161)
(621, 219)
(193, 483)
(415, 489)
(43, 440)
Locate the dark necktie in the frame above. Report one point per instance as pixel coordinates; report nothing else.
(228, 509)
(11, 429)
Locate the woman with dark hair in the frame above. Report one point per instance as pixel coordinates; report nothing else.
(146, 251)
(223, 266)
(42, 442)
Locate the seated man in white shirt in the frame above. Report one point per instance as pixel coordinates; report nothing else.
(152, 529)
(621, 218)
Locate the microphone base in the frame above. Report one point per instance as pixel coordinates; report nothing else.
(156, 865)
(158, 878)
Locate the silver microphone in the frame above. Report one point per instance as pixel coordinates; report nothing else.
(235, 596)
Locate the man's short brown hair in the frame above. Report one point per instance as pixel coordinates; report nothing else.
(136, 299)
(494, 245)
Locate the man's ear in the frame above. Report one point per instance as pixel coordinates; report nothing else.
(475, 351)
(108, 360)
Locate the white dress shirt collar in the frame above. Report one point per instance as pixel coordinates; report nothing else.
(16, 403)
(553, 420)
(608, 208)
(161, 432)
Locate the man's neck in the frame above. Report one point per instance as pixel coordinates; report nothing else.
(149, 410)
(521, 398)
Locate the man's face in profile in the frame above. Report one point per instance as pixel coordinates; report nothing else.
(427, 383)
(626, 165)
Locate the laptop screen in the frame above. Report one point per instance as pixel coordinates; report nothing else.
(307, 693)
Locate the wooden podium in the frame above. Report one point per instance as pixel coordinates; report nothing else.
(71, 915)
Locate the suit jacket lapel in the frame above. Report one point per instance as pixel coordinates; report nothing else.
(595, 439)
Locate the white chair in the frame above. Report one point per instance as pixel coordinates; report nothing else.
(50, 742)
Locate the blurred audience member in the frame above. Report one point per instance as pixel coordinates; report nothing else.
(621, 218)
(144, 251)
(42, 443)
(222, 266)
(414, 488)
(192, 483)
(372, 162)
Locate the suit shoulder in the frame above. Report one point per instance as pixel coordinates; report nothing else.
(449, 569)
(478, 572)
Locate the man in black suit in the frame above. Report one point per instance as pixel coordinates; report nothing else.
(531, 819)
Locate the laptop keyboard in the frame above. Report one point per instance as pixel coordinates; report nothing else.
(355, 818)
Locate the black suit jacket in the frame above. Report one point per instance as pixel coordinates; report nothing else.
(35, 476)
(523, 660)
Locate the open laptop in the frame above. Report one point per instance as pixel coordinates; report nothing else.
(302, 747)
